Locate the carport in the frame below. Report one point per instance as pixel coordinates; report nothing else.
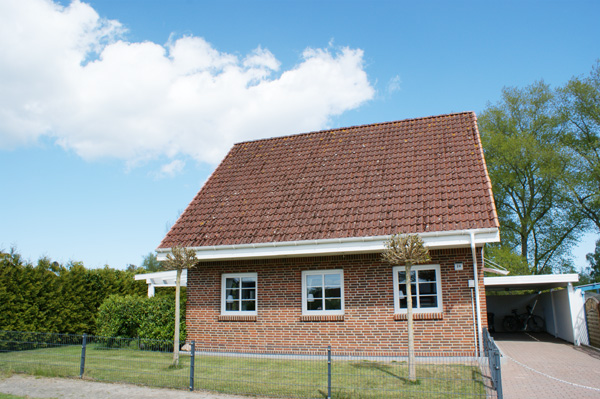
(560, 304)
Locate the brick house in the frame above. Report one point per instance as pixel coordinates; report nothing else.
(289, 233)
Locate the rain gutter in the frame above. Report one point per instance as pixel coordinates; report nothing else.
(336, 246)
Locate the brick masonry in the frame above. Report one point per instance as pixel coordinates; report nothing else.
(368, 322)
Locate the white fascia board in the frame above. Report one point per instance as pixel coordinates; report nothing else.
(336, 246)
(516, 281)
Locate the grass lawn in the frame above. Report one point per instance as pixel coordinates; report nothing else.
(286, 377)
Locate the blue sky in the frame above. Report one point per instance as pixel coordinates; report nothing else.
(113, 112)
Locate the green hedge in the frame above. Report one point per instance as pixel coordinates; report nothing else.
(49, 297)
(134, 316)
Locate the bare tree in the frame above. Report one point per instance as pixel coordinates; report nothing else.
(179, 259)
(407, 250)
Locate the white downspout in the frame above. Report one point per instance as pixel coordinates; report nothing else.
(477, 301)
(474, 317)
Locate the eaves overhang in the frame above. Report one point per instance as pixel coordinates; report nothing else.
(335, 246)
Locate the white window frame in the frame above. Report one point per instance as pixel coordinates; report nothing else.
(305, 311)
(240, 312)
(440, 306)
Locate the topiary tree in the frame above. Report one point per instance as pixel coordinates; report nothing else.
(179, 259)
(407, 250)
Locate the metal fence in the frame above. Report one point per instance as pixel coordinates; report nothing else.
(492, 354)
(283, 372)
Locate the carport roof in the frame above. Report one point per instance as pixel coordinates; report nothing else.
(535, 282)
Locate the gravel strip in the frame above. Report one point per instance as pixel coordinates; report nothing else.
(41, 387)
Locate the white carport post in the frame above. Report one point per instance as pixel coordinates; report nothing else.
(554, 313)
(578, 320)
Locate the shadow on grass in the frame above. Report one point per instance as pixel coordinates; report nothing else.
(481, 380)
(385, 368)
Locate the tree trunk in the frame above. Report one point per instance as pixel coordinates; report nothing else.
(412, 372)
(176, 338)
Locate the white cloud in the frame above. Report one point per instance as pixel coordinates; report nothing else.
(67, 74)
(171, 169)
(394, 84)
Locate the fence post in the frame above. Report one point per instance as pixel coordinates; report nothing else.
(192, 365)
(82, 364)
(329, 372)
(498, 371)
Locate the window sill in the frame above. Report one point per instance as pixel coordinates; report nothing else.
(237, 318)
(337, 317)
(420, 316)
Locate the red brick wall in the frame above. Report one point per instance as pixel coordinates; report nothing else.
(368, 322)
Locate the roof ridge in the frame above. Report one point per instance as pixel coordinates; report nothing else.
(357, 127)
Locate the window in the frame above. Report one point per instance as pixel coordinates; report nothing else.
(426, 289)
(238, 294)
(323, 292)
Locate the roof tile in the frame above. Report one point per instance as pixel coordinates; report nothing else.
(415, 175)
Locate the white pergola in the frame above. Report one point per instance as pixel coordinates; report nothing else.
(162, 279)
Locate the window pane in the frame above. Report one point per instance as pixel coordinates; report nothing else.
(248, 282)
(404, 303)
(333, 280)
(428, 301)
(232, 294)
(402, 277)
(427, 276)
(402, 290)
(317, 292)
(248, 305)
(232, 283)
(314, 280)
(427, 288)
(315, 305)
(233, 306)
(333, 292)
(248, 294)
(333, 304)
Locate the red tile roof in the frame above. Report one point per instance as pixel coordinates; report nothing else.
(415, 175)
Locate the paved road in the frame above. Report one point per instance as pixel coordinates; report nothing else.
(66, 388)
(538, 366)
